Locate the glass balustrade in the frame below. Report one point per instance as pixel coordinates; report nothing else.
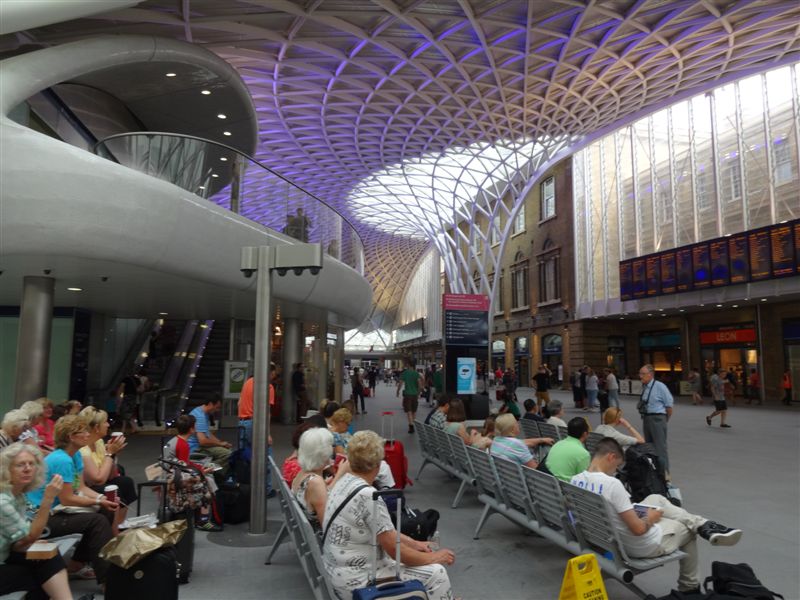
(239, 183)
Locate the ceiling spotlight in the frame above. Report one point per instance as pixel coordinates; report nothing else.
(719, 305)
(702, 305)
(735, 306)
(226, 133)
(214, 175)
(223, 158)
(763, 299)
(222, 116)
(172, 74)
(163, 314)
(202, 187)
(205, 92)
(74, 289)
(660, 310)
(681, 310)
(649, 314)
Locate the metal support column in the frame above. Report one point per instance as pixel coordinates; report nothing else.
(33, 342)
(261, 409)
(292, 354)
(322, 362)
(338, 366)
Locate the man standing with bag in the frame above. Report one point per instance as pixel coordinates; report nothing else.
(411, 382)
(655, 406)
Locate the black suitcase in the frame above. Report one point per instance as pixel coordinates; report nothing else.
(184, 549)
(235, 503)
(155, 577)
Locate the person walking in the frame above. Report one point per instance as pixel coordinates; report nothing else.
(612, 387)
(592, 389)
(358, 390)
(754, 387)
(786, 384)
(411, 382)
(719, 382)
(696, 383)
(655, 406)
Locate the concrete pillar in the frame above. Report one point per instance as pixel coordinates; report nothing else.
(33, 342)
(292, 354)
(321, 356)
(338, 366)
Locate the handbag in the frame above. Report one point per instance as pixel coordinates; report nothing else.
(738, 580)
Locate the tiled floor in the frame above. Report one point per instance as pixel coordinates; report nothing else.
(746, 476)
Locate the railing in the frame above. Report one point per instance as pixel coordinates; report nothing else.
(223, 175)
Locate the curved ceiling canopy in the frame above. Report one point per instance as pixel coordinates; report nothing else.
(398, 112)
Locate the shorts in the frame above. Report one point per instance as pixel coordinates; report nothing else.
(410, 403)
(543, 396)
(720, 405)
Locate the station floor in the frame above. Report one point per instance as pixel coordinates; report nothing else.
(747, 476)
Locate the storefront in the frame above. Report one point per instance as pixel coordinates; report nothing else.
(616, 355)
(499, 354)
(522, 359)
(552, 357)
(662, 349)
(732, 347)
(791, 352)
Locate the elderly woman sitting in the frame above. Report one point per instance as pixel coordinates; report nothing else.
(14, 423)
(611, 419)
(348, 538)
(35, 412)
(46, 427)
(21, 470)
(309, 486)
(506, 444)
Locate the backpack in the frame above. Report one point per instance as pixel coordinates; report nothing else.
(644, 473)
(738, 581)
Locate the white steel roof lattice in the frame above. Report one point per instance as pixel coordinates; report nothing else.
(434, 104)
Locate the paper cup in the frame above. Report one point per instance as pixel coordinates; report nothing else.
(115, 435)
(111, 493)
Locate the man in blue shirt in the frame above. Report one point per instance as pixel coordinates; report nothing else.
(205, 442)
(655, 406)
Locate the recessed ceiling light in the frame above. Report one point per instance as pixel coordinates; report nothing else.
(214, 175)
(202, 187)
(649, 314)
(222, 116)
(223, 158)
(660, 310)
(702, 305)
(226, 133)
(735, 306)
(205, 92)
(681, 310)
(163, 314)
(172, 74)
(719, 305)
(763, 299)
(74, 289)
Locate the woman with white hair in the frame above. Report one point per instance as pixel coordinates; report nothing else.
(35, 412)
(309, 486)
(347, 548)
(14, 423)
(21, 471)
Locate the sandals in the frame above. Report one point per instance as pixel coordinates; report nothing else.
(85, 573)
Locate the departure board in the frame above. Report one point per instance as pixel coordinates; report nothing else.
(653, 275)
(683, 258)
(782, 243)
(737, 255)
(639, 278)
(720, 270)
(757, 255)
(626, 280)
(797, 246)
(760, 256)
(701, 267)
(668, 278)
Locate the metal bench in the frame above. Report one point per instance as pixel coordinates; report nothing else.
(489, 489)
(458, 450)
(592, 515)
(591, 442)
(529, 428)
(447, 461)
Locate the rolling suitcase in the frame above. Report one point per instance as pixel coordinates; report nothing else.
(235, 502)
(154, 577)
(394, 453)
(394, 590)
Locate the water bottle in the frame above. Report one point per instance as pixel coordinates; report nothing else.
(435, 542)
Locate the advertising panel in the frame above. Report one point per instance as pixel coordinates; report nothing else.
(466, 375)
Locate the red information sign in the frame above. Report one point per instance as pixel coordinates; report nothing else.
(728, 336)
(466, 302)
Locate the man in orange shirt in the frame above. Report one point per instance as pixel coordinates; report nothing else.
(246, 423)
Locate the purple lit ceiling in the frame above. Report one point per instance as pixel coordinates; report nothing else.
(357, 99)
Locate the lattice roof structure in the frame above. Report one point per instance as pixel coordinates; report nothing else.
(410, 116)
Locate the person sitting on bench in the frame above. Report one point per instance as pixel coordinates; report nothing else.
(663, 529)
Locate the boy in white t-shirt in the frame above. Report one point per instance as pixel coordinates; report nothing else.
(663, 529)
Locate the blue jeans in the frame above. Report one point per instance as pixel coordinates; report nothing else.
(591, 398)
(246, 441)
(613, 398)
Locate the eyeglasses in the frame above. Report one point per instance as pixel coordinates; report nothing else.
(24, 465)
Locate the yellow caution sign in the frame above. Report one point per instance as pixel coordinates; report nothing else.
(582, 580)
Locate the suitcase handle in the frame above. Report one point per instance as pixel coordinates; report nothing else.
(384, 414)
(375, 495)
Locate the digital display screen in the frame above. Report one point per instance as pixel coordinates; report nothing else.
(701, 267)
(639, 279)
(757, 255)
(669, 281)
(626, 281)
(782, 242)
(720, 271)
(760, 256)
(683, 258)
(737, 255)
(653, 276)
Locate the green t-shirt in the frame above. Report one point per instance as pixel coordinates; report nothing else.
(438, 381)
(567, 458)
(410, 379)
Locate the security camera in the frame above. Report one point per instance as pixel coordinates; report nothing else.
(298, 271)
(314, 270)
(47, 271)
(248, 272)
(282, 272)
